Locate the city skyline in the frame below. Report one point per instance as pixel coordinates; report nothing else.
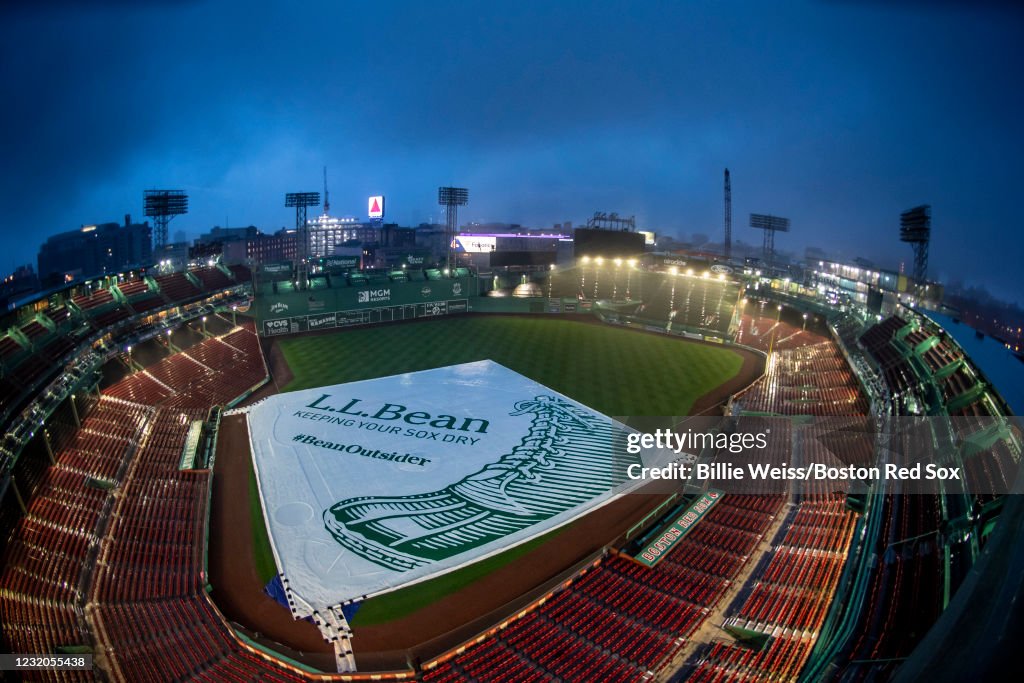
(838, 115)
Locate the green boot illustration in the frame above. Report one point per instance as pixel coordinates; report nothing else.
(568, 457)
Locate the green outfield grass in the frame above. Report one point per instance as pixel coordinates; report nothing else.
(615, 371)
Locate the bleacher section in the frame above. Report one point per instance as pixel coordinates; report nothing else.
(110, 551)
(812, 379)
(132, 288)
(768, 333)
(176, 287)
(199, 377)
(686, 301)
(95, 299)
(690, 302)
(240, 273)
(212, 278)
(35, 349)
(9, 347)
(790, 598)
(622, 620)
(48, 559)
(919, 559)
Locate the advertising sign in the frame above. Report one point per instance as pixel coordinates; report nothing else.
(375, 207)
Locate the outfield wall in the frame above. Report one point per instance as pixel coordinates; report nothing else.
(373, 302)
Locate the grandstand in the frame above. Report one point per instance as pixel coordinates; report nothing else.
(107, 490)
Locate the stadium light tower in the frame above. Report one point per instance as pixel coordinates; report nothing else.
(302, 201)
(770, 225)
(162, 206)
(451, 198)
(916, 230)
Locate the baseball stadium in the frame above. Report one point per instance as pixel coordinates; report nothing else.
(228, 473)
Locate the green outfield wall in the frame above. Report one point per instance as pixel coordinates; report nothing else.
(373, 302)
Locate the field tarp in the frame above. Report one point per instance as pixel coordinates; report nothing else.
(373, 485)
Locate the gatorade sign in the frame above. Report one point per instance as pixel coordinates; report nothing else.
(375, 207)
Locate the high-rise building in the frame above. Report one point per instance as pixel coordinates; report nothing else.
(326, 233)
(95, 250)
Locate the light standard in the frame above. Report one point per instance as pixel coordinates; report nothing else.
(805, 321)
(131, 368)
(204, 325)
(775, 327)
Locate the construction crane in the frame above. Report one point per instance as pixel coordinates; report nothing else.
(327, 202)
(728, 217)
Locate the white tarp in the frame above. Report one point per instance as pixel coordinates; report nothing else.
(373, 485)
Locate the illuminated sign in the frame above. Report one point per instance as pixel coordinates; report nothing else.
(472, 244)
(340, 262)
(648, 236)
(373, 296)
(375, 207)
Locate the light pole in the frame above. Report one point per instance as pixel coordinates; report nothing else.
(805, 322)
(775, 328)
(234, 315)
(131, 368)
(204, 325)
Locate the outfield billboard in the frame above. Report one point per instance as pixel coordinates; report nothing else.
(373, 485)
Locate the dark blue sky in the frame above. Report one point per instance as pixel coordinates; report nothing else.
(837, 114)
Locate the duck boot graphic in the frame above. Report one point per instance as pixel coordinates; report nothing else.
(568, 457)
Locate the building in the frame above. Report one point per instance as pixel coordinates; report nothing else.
(219, 235)
(262, 249)
(879, 290)
(95, 250)
(327, 232)
(22, 281)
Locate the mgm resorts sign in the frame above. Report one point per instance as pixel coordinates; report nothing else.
(373, 296)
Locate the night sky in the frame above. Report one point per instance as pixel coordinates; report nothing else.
(837, 114)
